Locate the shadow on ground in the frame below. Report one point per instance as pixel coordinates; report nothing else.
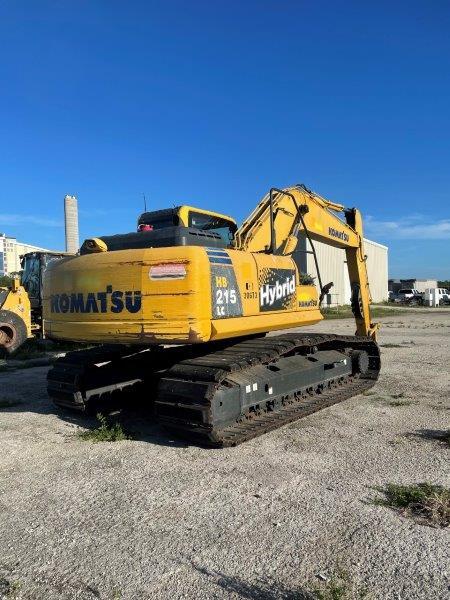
(134, 412)
(263, 590)
(439, 435)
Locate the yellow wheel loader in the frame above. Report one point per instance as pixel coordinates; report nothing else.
(179, 311)
(21, 304)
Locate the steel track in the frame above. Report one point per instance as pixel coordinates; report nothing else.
(187, 378)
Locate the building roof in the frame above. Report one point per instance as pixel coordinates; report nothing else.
(376, 244)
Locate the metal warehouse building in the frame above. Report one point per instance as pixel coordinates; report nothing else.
(333, 267)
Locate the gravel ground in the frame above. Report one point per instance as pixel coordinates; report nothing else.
(154, 518)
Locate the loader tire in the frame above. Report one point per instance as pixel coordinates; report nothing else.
(13, 331)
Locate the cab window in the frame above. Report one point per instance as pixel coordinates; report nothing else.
(159, 219)
(221, 226)
(31, 275)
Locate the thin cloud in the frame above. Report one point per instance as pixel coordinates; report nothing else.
(11, 219)
(413, 227)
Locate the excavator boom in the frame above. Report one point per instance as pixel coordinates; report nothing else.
(283, 214)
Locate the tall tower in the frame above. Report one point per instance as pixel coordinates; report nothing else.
(71, 223)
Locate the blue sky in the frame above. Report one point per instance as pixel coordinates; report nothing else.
(211, 103)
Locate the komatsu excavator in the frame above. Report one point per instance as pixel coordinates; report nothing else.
(179, 311)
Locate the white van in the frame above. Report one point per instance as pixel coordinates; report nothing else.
(436, 297)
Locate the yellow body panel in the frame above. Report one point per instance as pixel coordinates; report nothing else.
(191, 294)
(17, 302)
(174, 295)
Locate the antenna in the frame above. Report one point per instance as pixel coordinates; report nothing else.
(145, 203)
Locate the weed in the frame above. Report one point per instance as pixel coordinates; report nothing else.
(106, 432)
(401, 402)
(339, 587)
(388, 345)
(397, 400)
(396, 441)
(429, 504)
(27, 353)
(9, 589)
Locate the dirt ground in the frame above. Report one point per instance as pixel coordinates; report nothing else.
(154, 518)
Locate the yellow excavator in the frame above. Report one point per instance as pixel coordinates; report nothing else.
(179, 311)
(21, 303)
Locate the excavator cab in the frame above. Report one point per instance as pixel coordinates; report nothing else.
(192, 218)
(170, 227)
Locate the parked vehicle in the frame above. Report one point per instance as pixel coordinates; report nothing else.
(436, 297)
(409, 296)
(392, 296)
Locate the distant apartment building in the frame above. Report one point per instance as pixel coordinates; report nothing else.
(10, 253)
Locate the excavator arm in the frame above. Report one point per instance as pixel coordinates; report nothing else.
(282, 214)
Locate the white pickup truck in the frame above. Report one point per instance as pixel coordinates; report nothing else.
(408, 295)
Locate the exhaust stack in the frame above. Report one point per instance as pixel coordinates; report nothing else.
(71, 224)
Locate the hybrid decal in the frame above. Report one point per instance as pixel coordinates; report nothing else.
(96, 302)
(338, 234)
(277, 289)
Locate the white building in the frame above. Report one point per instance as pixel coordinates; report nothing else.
(10, 253)
(333, 267)
(395, 285)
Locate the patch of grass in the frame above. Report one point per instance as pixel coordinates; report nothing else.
(396, 441)
(106, 432)
(404, 345)
(25, 353)
(397, 400)
(390, 399)
(9, 589)
(401, 402)
(339, 587)
(345, 312)
(429, 504)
